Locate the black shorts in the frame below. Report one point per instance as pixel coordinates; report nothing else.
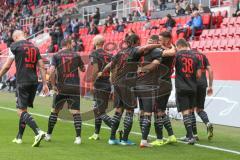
(101, 95)
(73, 101)
(185, 100)
(25, 95)
(200, 97)
(161, 103)
(147, 95)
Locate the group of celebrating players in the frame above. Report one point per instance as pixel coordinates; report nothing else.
(138, 75)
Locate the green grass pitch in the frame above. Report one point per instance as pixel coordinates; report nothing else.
(62, 148)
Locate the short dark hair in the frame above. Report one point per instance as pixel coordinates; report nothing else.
(166, 34)
(182, 42)
(154, 37)
(132, 40)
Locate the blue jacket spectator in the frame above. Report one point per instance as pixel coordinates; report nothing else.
(195, 23)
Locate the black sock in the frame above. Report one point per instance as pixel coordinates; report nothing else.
(115, 124)
(167, 124)
(128, 121)
(146, 126)
(203, 115)
(98, 123)
(77, 124)
(194, 123)
(188, 125)
(28, 119)
(51, 122)
(106, 119)
(158, 124)
(141, 121)
(22, 126)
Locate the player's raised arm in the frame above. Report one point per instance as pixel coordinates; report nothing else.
(6, 66)
(169, 51)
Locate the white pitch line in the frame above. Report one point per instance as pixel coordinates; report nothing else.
(136, 133)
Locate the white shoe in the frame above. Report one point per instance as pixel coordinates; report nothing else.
(47, 137)
(38, 138)
(144, 144)
(17, 141)
(78, 140)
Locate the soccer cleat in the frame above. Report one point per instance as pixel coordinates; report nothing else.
(191, 141)
(210, 131)
(17, 141)
(47, 137)
(38, 139)
(94, 137)
(145, 144)
(183, 139)
(113, 142)
(196, 137)
(78, 140)
(127, 143)
(171, 139)
(158, 142)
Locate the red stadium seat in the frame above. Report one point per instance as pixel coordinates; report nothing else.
(237, 44)
(211, 33)
(225, 22)
(232, 21)
(231, 44)
(224, 32)
(223, 44)
(206, 20)
(237, 33)
(217, 33)
(231, 32)
(195, 44)
(204, 34)
(208, 45)
(216, 44)
(201, 45)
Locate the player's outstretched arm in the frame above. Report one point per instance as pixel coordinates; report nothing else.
(169, 52)
(210, 81)
(6, 66)
(149, 67)
(43, 75)
(147, 48)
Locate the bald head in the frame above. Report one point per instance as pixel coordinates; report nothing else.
(98, 40)
(18, 35)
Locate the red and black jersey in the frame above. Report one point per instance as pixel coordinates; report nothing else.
(204, 64)
(152, 76)
(26, 57)
(186, 67)
(101, 58)
(125, 64)
(67, 64)
(166, 68)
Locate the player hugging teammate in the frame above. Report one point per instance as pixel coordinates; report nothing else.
(136, 72)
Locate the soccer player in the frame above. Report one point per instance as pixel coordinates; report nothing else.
(124, 67)
(102, 86)
(147, 86)
(27, 58)
(64, 76)
(203, 87)
(165, 83)
(187, 72)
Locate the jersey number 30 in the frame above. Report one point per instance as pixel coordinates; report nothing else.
(31, 55)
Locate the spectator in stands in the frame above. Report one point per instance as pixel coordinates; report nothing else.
(130, 18)
(36, 3)
(185, 5)
(120, 26)
(179, 11)
(237, 13)
(26, 12)
(200, 8)
(93, 30)
(147, 25)
(8, 39)
(162, 4)
(68, 30)
(192, 8)
(96, 16)
(136, 16)
(170, 23)
(76, 26)
(109, 20)
(195, 23)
